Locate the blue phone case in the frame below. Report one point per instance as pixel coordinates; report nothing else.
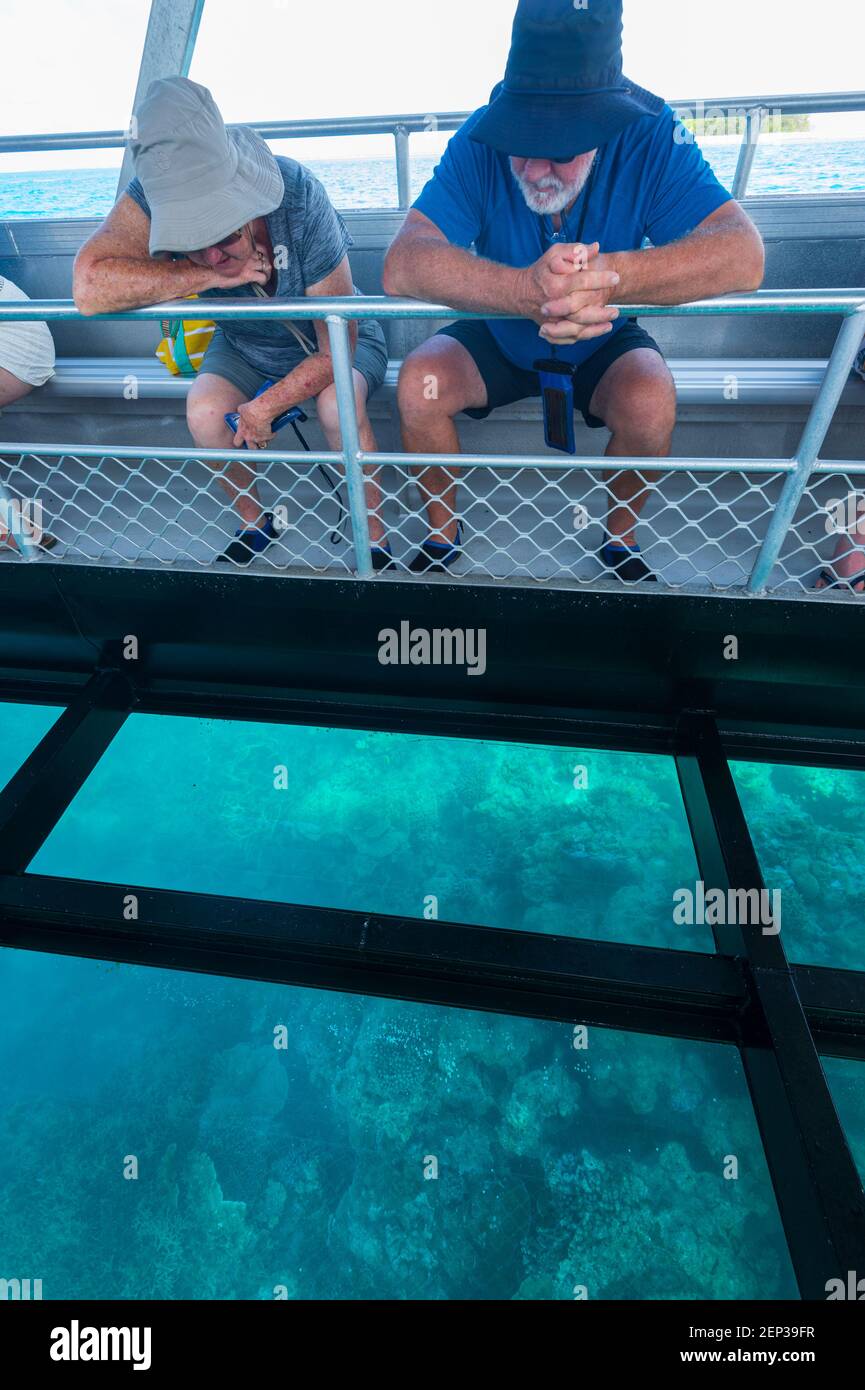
(557, 393)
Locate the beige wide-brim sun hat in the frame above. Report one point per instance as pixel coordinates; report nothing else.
(202, 179)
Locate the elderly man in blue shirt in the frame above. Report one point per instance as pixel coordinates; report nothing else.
(558, 184)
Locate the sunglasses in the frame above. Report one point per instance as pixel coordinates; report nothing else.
(230, 240)
(227, 241)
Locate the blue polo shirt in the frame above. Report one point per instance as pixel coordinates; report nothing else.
(651, 182)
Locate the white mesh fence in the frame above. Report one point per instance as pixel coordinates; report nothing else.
(698, 530)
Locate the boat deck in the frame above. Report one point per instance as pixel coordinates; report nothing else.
(105, 449)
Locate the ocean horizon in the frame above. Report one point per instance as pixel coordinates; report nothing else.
(792, 165)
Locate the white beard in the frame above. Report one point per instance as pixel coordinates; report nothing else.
(551, 195)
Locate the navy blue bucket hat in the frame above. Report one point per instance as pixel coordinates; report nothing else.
(563, 93)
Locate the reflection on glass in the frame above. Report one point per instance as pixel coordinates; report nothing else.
(530, 838)
(21, 728)
(807, 829)
(177, 1136)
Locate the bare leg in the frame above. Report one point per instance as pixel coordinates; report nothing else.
(849, 557)
(12, 388)
(636, 398)
(328, 416)
(437, 381)
(210, 398)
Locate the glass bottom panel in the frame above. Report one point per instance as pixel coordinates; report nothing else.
(806, 824)
(21, 728)
(176, 1136)
(846, 1078)
(530, 838)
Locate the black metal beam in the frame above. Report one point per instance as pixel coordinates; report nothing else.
(795, 745)
(681, 993)
(817, 1186)
(616, 985)
(834, 1004)
(627, 732)
(624, 731)
(546, 646)
(42, 788)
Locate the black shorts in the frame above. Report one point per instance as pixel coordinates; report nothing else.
(506, 382)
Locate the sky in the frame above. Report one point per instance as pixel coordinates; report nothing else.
(73, 64)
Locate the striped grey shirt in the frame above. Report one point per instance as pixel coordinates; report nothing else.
(309, 239)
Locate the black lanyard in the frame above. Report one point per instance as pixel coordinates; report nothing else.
(587, 197)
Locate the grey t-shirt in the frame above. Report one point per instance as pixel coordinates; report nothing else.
(309, 239)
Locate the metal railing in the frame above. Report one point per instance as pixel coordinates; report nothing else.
(337, 313)
(752, 111)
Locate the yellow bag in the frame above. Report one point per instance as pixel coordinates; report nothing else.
(184, 343)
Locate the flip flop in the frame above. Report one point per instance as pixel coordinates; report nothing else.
(45, 542)
(831, 581)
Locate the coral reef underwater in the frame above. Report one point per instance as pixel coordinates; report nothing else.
(807, 830)
(388, 1150)
(166, 1135)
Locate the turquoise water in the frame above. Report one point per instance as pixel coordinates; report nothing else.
(168, 1135)
(21, 728)
(793, 166)
(496, 833)
(847, 1084)
(389, 1150)
(806, 824)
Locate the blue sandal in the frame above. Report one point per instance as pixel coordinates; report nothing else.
(438, 556)
(250, 541)
(626, 560)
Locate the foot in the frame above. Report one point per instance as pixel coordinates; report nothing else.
(437, 553)
(623, 556)
(43, 540)
(250, 541)
(382, 556)
(846, 570)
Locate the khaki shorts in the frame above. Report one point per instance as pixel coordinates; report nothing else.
(26, 349)
(370, 359)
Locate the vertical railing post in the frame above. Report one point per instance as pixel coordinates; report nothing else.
(813, 438)
(403, 168)
(168, 48)
(747, 150)
(340, 348)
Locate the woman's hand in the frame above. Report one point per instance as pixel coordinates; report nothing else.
(254, 424)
